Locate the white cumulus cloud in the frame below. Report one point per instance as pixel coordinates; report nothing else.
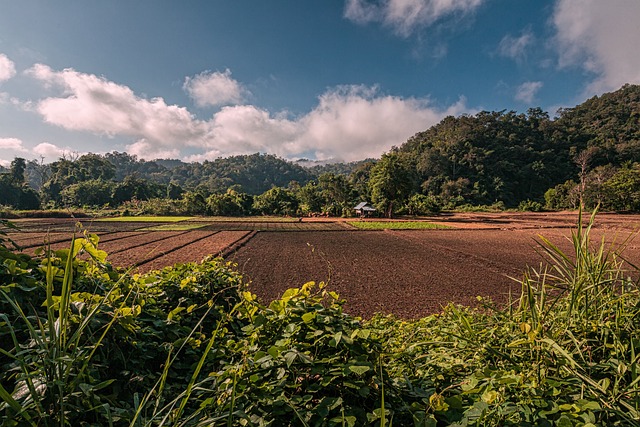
(52, 152)
(7, 68)
(94, 104)
(405, 16)
(14, 144)
(602, 37)
(527, 91)
(146, 150)
(354, 122)
(214, 89)
(348, 123)
(9, 149)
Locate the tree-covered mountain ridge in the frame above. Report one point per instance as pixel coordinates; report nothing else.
(510, 157)
(501, 158)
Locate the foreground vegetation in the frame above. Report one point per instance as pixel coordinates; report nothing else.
(83, 344)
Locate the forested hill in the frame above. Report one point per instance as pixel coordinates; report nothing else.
(253, 174)
(590, 152)
(608, 126)
(510, 157)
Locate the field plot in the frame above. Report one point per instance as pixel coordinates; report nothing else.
(535, 220)
(63, 240)
(31, 239)
(410, 273)
(251, 225)
(414, 273)
(140, 254)
(51, 225)
(190, 251)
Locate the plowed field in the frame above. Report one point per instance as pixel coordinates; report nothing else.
(410, 273)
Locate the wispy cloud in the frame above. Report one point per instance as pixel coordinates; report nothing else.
(348, 123)
(7, 68)
(516, 47)
(212, 89)
(13, 144)
(10, 148)
(406, 16)
(602, 38)
(527, 91)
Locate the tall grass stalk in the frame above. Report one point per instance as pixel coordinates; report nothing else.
(581, 311)
(62, 355)
(169, 412)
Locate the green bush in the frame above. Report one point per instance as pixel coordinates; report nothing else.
(419, 204)
(530, 206)
(83, 344)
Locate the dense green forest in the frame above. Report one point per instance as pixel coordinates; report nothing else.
(499, 159)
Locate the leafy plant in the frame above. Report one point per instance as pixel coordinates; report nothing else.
(83, 344)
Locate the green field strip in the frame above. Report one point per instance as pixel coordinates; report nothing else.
(397, 225)
(174, 227)
(145, 219)
(246, 219)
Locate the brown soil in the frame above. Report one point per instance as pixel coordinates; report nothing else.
(63, 240)
(129, 241)
(415, 273)
(29, 239)
(192, 251)
(150, 251)
(410, 273)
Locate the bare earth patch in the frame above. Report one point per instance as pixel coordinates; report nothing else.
(410, 273)
(414, 273)
(192, 251)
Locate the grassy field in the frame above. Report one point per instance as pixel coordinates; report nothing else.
(396, 225)
(174, 227)
(257, 218)
(145, 219)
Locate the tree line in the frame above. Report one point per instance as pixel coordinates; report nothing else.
(503, 159)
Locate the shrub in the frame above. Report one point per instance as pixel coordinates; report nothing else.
(530, 206)
(83, 344)
(419, 204)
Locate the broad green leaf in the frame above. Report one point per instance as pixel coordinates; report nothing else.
(289, 358)
(359, 369)
(308, 317)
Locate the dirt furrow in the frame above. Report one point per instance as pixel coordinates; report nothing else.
(134, 241)
(151, 251)
(195, 250)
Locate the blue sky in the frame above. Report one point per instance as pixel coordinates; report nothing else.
(325, 80)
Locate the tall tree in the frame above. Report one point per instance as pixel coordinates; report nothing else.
(392, 181)
(337, 193)
(17, 170)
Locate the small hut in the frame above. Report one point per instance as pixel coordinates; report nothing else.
(364, 209)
